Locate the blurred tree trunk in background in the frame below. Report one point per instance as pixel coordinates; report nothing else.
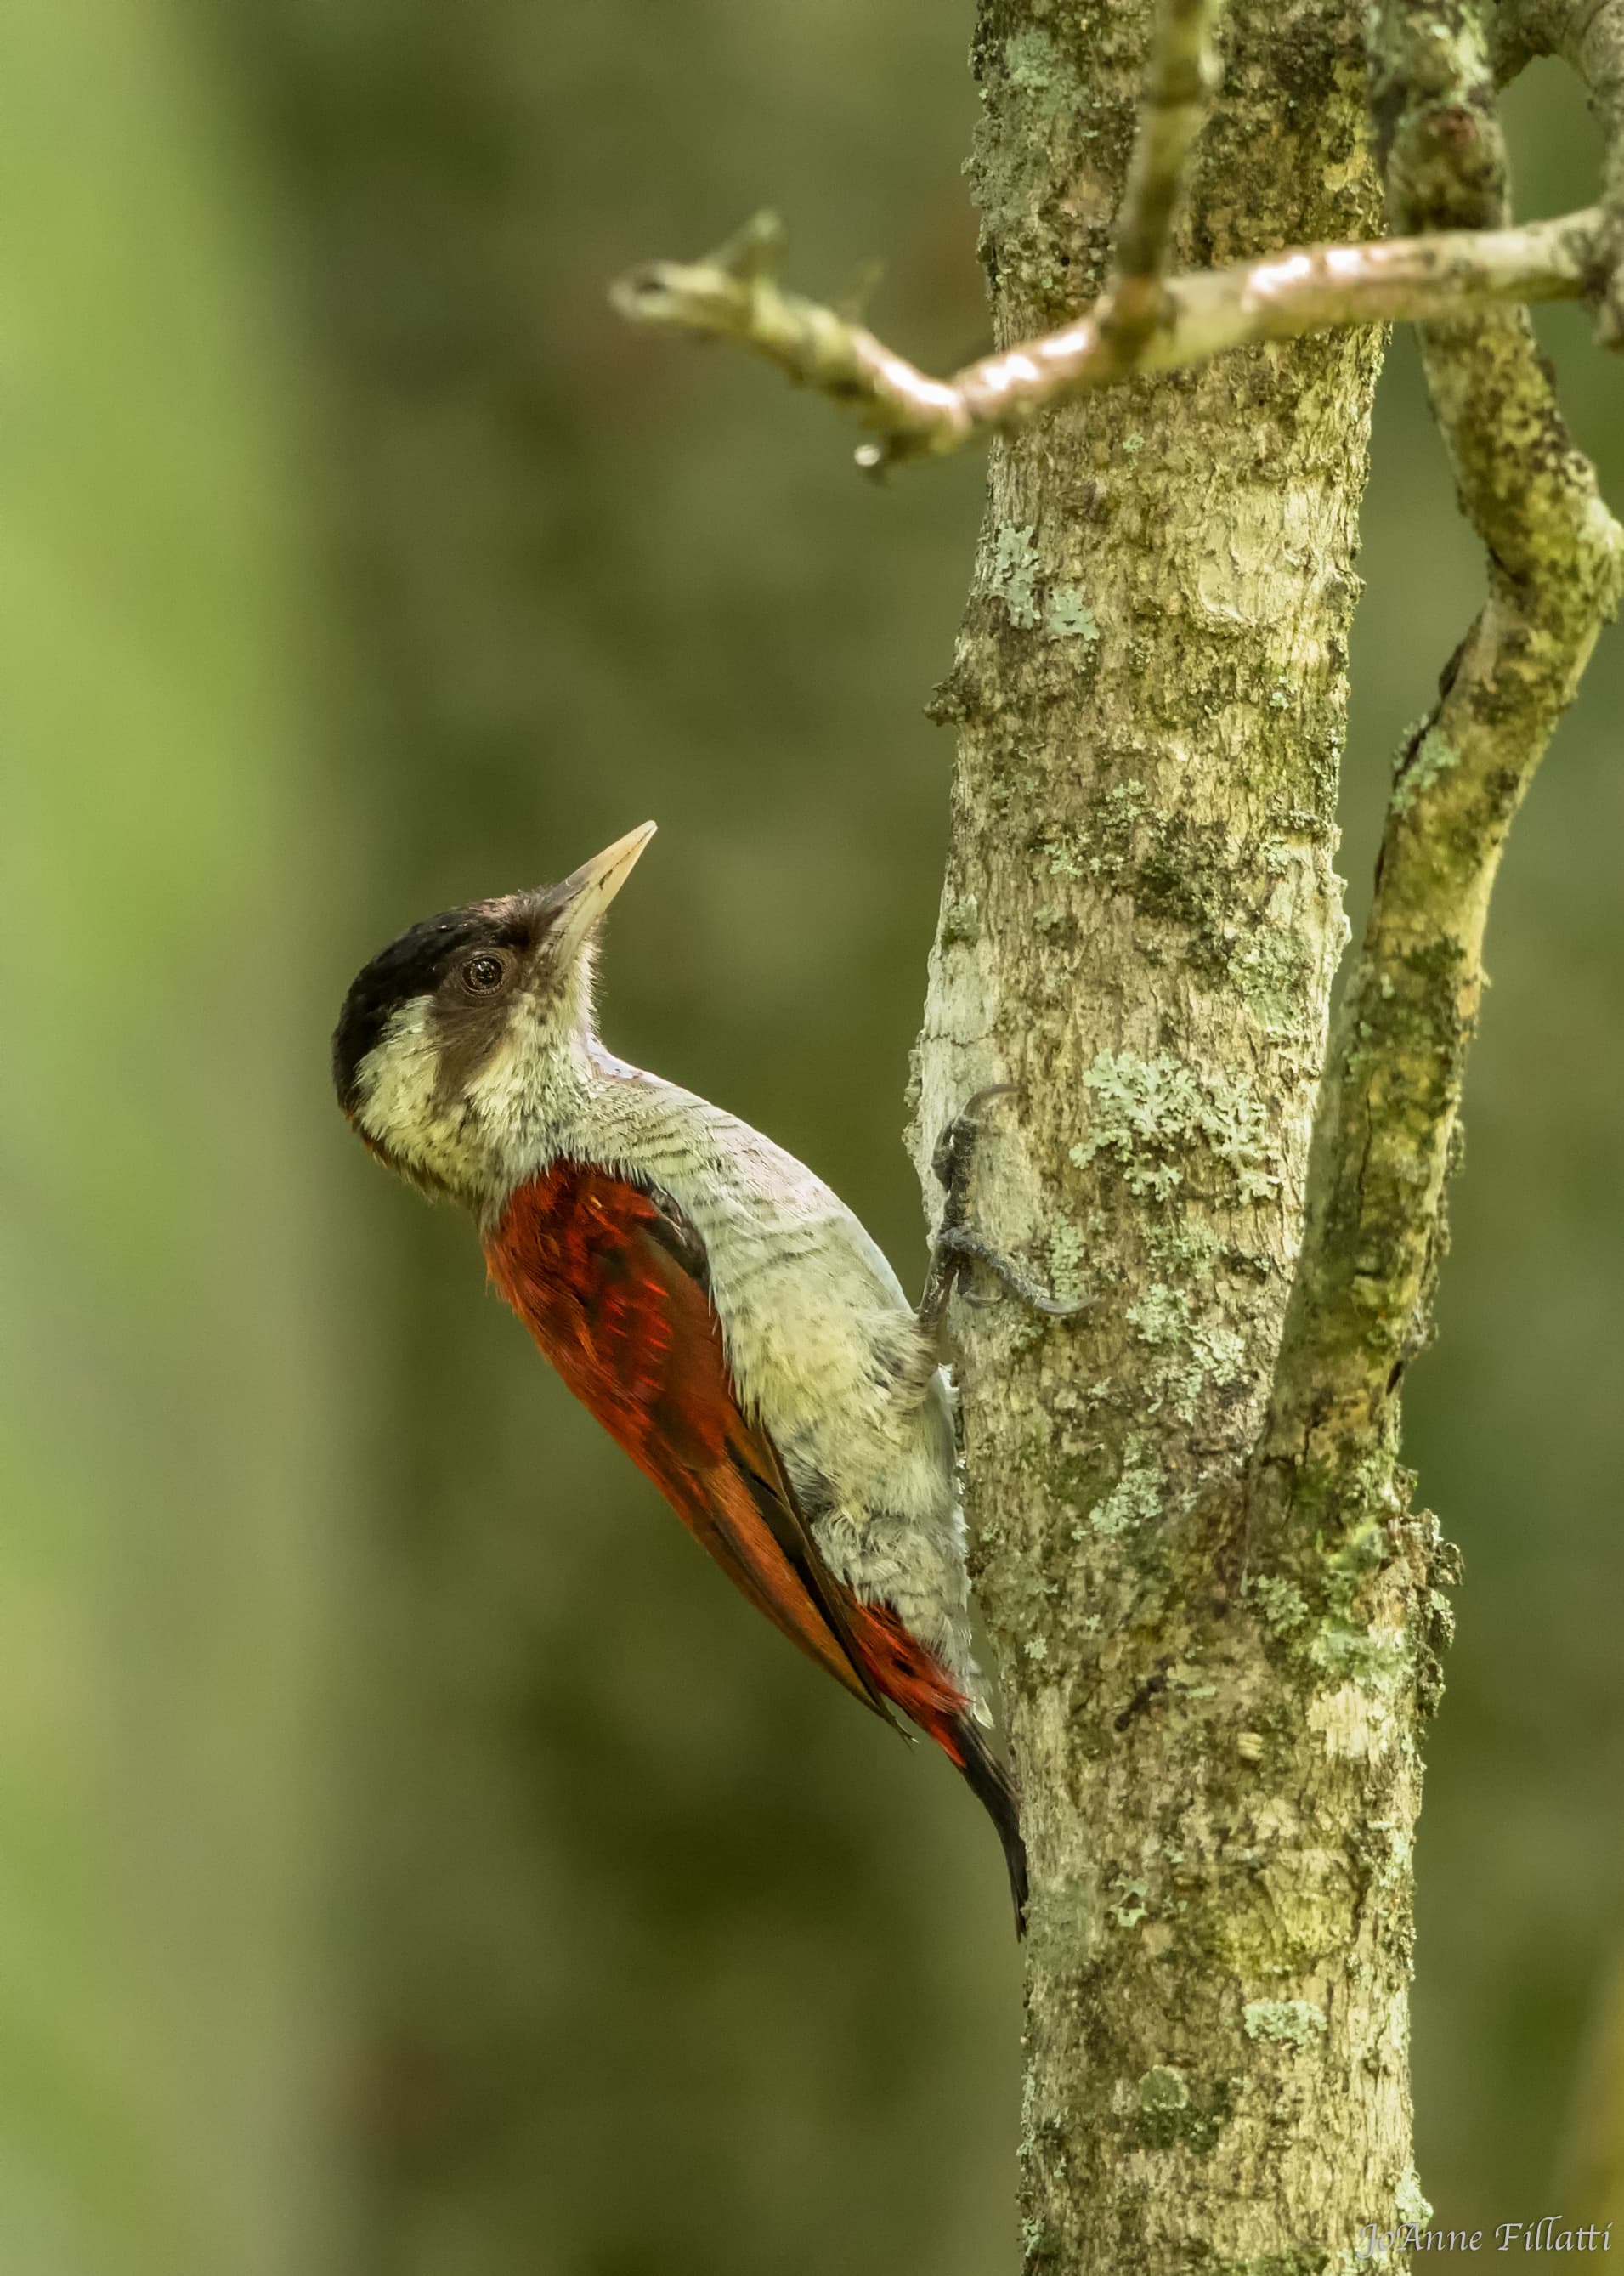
(167, 1430)
(1590, 2177)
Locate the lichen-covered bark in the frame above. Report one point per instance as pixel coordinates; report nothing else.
(1140, 927)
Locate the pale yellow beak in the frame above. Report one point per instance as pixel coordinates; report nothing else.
(587, 892)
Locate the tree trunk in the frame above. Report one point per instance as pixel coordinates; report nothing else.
(171, 1429)
(1216, 1740)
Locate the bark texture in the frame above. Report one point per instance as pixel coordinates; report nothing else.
(1140, 928)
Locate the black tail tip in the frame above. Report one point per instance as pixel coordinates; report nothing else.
(990, 1784)
(1015, 1861)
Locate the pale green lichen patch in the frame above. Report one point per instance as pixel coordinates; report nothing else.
(1067, 854)
(1371, 1485)
(1033, 2240)
(1068, 616)
(1026, 2145)
(1193, 1354)
(1155, 1118)
(1134, 1501)
(960, 921)
(1036, 68)
(1408, 2202)
(1161, 1315)
(1272, 969)
(1033, 106)
(1432, 759)
(1183, 1249)
(1123, 804)
(1014, 573)
(1063, 614)
(1131, 1908)
(1378, 1659)
(1280, 1602)
(1037, 2127)
(1292, 2022)
(1067, 1247)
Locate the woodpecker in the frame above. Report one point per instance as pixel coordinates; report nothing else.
(722, 1315)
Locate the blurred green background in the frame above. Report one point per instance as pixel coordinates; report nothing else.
(412, 1860)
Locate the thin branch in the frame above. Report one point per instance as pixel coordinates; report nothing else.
(734, 294)
(1180, 77)
(1388, 1121)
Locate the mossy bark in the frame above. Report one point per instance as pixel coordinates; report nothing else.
(1140, 928)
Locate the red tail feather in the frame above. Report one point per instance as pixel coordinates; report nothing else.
(910, 1677)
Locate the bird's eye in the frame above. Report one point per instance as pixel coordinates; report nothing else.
(481, 973)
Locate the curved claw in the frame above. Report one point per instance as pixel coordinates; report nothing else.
(1056, 1307)
(964, 1246)
(962, 1131)
(988, 1090)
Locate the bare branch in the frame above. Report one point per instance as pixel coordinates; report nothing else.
(1387, 1119)
(734, 294)
(1181, 76)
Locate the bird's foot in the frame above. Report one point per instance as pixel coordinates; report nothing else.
(959, 1251)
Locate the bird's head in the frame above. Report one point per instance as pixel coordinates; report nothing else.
(456, 1044)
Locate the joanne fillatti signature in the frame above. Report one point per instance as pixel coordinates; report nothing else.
(1549, 2234)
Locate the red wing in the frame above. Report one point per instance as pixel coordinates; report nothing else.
(610, 1281)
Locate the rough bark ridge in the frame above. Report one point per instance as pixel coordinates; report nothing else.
(1140, 927)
